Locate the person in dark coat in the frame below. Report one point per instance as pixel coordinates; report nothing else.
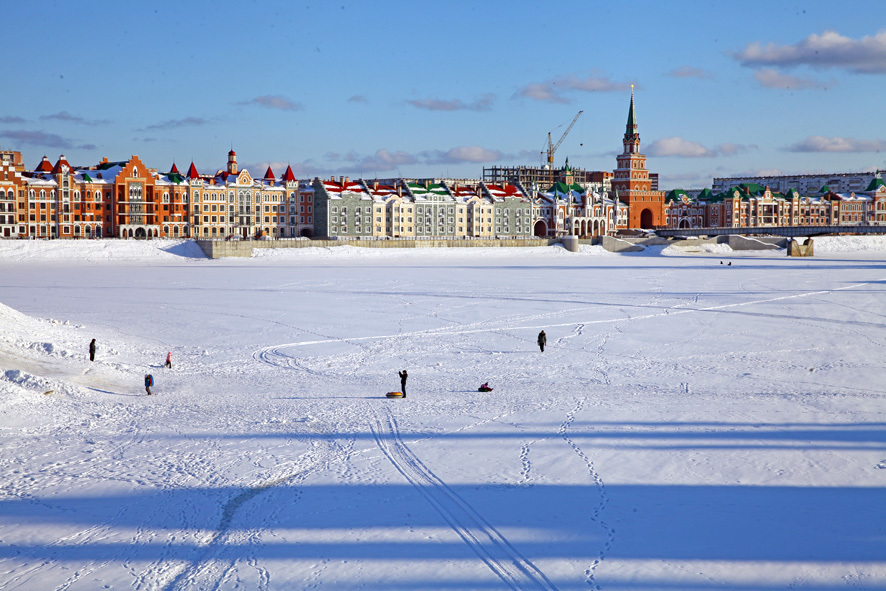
(542, 341)
(403, 375)
(92, 350)
(149, 381)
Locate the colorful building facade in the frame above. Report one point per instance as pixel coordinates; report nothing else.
(751, 205)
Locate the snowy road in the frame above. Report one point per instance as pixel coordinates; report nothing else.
(690, 425)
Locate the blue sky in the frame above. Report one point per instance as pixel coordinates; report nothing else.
(381, 89)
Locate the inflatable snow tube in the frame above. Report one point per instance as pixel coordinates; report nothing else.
(394, 394)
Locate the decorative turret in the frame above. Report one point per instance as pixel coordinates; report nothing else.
(232, 162)
(632, 136)
(44, 166)
(192, 172)
(288, 176)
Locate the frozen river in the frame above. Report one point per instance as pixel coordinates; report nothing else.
(691, 425)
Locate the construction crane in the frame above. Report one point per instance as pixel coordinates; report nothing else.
(553, 147)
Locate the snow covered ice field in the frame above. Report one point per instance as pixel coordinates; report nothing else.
(690, 426)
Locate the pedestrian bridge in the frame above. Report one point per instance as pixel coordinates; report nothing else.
(789, 231)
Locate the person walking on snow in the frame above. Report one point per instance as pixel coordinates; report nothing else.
(403, 375)
(149, 381)
(169, 360)
(542, 341)
(92, 350)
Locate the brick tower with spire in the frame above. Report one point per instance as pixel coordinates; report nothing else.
(631, 183)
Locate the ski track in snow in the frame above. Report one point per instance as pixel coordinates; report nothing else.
(515, 570)
(270, 353)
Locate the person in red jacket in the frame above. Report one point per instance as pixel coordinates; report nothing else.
(169, 360)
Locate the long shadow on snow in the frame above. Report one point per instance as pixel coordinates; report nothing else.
(656, 435)
(659, 522)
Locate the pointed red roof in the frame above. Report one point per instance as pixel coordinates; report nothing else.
(288, 176)
(58, 165)
(192, 172)
(174, 169)
(44, 166)
(269, 174)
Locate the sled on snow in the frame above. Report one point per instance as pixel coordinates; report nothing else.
(394, 394)
(482, 389)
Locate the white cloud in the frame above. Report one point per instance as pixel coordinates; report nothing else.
(828, 50)
(175, 123)
(818, 143)
(462, 154)
(484, 103)
(683, 148)
(553, 90)
(772, 78)
(677, 146)
(65, 116)
(43, 139)
(690, 72)
(274, 102)
(730, 149)
(385, 160)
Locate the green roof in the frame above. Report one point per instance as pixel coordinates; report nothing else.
(675, 195)
(175, 177)
(561, 187)
(705, 195)
(824, 189)
(87, 178)
(876, 183)
(752, 188)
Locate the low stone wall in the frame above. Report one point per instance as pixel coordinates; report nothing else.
(734, 241)
(613, 244)
(216, 249)
(738, 242)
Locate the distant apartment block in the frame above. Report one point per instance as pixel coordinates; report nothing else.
(805, 184)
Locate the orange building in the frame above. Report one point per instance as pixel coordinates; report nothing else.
(111, 199)
(12, 195)
(631, 183)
